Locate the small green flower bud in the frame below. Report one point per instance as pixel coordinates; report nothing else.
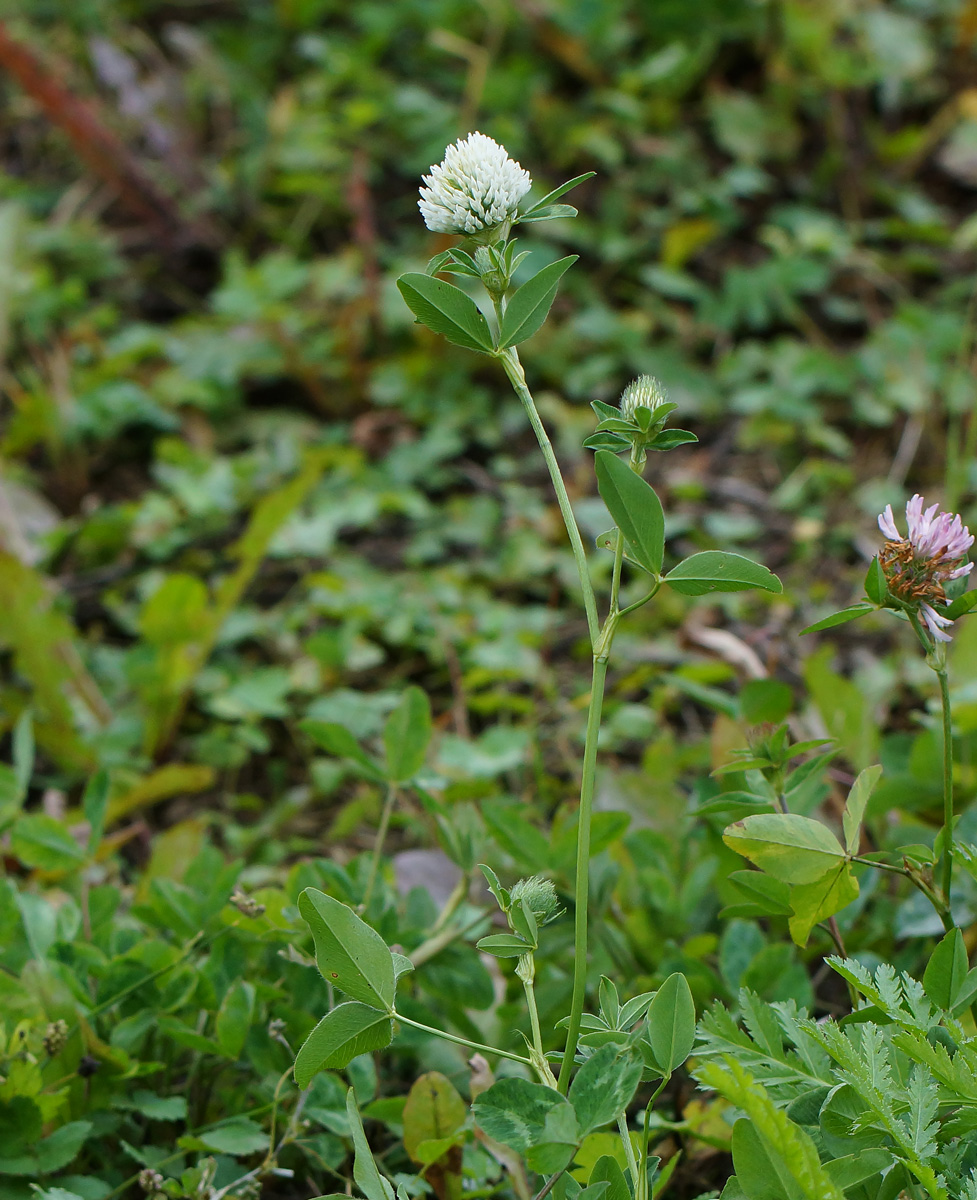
(643, 392)
(538, 894)
(56, 1037)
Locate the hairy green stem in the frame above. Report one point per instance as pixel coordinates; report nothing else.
(517, 377)
(936, 660)
(460, 1041)
(582, 876)
(946, 860)
(388, 806)
(622, 1127)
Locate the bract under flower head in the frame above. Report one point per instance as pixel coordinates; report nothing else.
(917, 567)
(643, 392)
(476, 188)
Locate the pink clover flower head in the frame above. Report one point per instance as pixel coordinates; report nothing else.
(476, 188)
(916, 567)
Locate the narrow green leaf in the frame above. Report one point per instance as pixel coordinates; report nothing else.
(406, 735)
(349, 954)
(447, 310)
(368, 1178)
(792, 848)
(635, 508)
(503, 945)
(963, 604)
(876, 587)
(671, 1023)
(856, 804)
(526, 310)
(557, 192)
(338, 741)
(718, 571)
(234, 1018)
(669, 439)
(23, 749)
(94, 805)
(349, 1030)
(841, 617)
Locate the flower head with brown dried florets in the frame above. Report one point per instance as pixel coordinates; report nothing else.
(917, 567)
(476, 188)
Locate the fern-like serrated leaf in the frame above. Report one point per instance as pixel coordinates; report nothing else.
(919, 1120)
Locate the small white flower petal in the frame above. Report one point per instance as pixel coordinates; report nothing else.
(887, 524)
(935, 623)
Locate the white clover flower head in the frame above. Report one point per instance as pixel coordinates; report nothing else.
(476, 188)
(643, 392)
(916, 567)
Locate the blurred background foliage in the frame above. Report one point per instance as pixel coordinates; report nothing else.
(239, 489)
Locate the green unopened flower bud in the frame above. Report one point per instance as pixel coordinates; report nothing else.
(56, 1038)
(538, 894)
(643, 392)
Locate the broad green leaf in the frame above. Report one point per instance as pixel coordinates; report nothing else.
(176, 612)
(239, 1136)
(348, 1030)
(671, 1023)
(349, 954)
(767, 893)
(528, 306)
(761, 1170)
(635, 507)
(608, 1170)
(792, 848)
(765, 701)
(852, 613)
(853, 1169)
(815, 902)
(338, 741)
(368, 1179)
(718, 571)
(946, 970)
(603, 1087)
(406, 735)
(856, 804)
(434, 1110)
(62, 1146)
(521, 1114)
(234, 1017)
(40, 841)
(446, 309)
(95, 805)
